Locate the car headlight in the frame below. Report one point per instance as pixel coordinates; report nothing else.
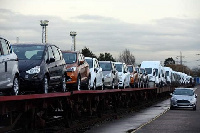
(71, 69)
(108, 75)
(174, 99)
(33, 70)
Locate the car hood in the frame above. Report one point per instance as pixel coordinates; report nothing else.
(71, 65)
(183, 97)
(105, 72)
(25, 65)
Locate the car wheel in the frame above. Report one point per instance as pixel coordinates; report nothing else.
(94, 85)
(195, 108)
(78, 87)
(113, 85)
(64, 87)
(45, 88)
(171, 107)
(88, 84)
(15, 87)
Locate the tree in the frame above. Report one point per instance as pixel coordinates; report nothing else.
(127, 57)
(106, 57)
(87, 53)
(169, 61)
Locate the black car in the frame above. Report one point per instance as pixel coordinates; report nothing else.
(41, 67)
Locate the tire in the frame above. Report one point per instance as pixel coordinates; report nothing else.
(78, 84)
(15, 87)
(45, 85)
(195, 108)
(63, 84)
(88, 84)
(171, 107)
(113, 85)
(94, 85)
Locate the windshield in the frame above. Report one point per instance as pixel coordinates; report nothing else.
(90, 62)
(28, 52)
(156, 71)
(130, 68)
(105, 66)
(70, 58)
(148, 70)
(119, 67)
(167, 73)
(187, 92)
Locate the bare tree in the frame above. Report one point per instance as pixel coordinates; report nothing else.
(127, 57)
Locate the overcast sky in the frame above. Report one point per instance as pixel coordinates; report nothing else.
(150, 29)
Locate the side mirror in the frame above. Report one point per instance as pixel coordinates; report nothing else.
(81, 62)
(95, 70)
(135, 71)
(51, 60)
(154, 73)
(195, 95)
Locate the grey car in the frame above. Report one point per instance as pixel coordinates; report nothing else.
(110, 74)
(183, 98)
(9, 79)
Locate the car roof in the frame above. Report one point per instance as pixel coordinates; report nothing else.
(184, 89)
(105, 61)
(32, 44)
(69, 51)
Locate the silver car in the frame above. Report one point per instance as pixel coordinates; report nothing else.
(9, 79)
(183, 98)
(110, 74)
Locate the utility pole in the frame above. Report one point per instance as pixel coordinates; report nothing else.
(181, 58)
(73, 35)
(17, 40)
(44, 24)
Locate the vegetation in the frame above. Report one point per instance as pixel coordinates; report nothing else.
(127, 57)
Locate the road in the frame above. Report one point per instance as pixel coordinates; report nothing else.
(176, 121)
(156, 119)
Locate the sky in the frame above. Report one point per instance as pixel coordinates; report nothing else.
(150, 29)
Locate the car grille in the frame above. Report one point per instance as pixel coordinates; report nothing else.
(183, 101)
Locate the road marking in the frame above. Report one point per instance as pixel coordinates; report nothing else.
(135, 130)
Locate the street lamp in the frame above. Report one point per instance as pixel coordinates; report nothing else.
(73, 35)
(44, 24)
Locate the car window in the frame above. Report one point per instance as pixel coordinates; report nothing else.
(56, 53)
(119, 67)
(148, 70)
(5, 47)
(130, 68)
(0, 52)
(183, 92)
(70, 58)
(105, 66)
(90, 62)
(50, 52)
(28, 52)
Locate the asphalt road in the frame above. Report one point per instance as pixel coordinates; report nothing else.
(175, 121)
(155, 119)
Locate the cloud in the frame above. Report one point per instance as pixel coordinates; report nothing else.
(157, 41)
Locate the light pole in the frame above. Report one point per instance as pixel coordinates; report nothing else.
(44, 24)
(73, 35)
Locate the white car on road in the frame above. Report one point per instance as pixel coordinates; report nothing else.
(183, 98)
(96, 73)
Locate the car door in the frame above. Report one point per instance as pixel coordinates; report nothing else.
(51, 65)
(59, 64)
(98, 72)
(2, 67)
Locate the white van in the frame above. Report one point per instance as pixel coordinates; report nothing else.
(168, 74)
(9, 79)
(153, 69)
